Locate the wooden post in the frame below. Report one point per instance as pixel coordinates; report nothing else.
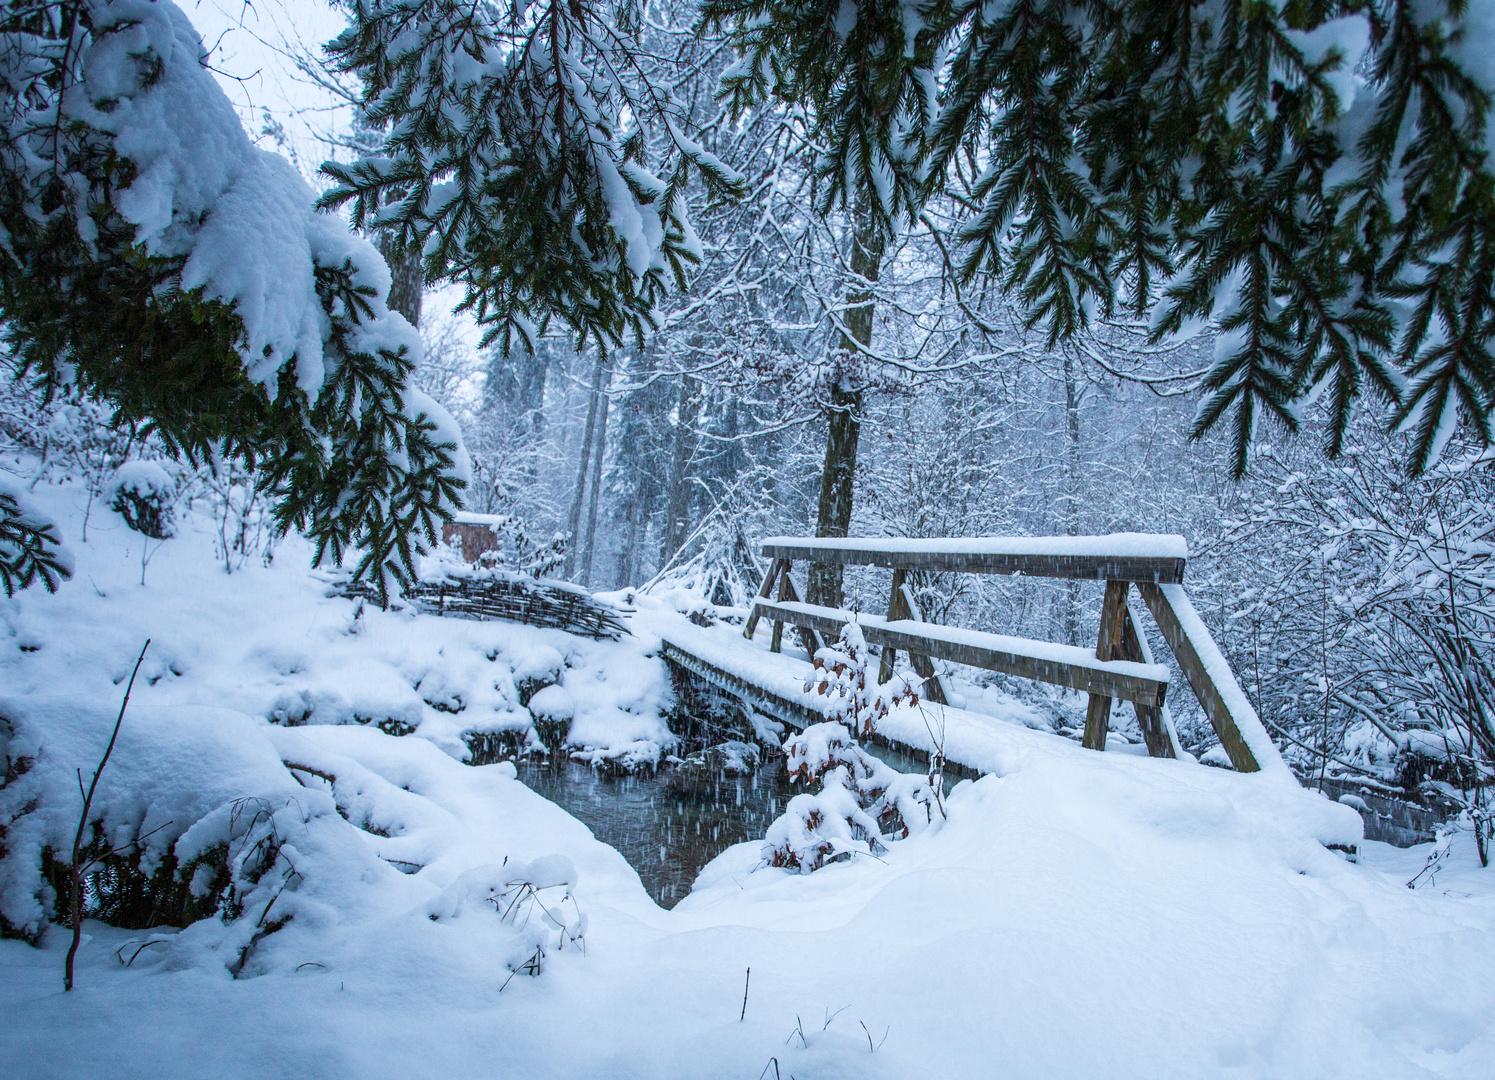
(786, 589)
(807, 637)
(1112, 616)
(1149, 717)
(934, 690)
(895, 608)
(763, 593)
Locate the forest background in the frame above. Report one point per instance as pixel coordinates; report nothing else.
(1352, 598)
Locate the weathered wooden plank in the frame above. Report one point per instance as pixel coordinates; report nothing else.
(1112, 615)
(780, 708)
(765, 701)
(764, 592)
(786, 589)
(1058, 664)
(824, 620)
(1212, 697)
(1044, 557)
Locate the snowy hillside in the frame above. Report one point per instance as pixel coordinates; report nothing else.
(1079, 915)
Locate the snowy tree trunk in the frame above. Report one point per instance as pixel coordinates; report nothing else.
(630, 534)
(596, 495)
(408, 284)
(677, 506)
(845, 428)
(1071, 628)
(573, 520)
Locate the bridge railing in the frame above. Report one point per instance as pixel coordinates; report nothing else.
(1121, 667)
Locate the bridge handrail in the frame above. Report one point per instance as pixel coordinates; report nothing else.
(1154, 564)
(1061, 665)
(1156, 558)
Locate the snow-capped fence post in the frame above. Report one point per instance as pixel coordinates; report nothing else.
(1119, 639)
(895, 597)
(1230, 713)
(1098, 711)
(788, 594)
(934, 688)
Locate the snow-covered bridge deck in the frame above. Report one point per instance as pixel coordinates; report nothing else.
(774, 684)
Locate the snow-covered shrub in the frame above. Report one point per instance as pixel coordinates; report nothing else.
(144, 494)
(518, 552)
(68, 435)
(31, 549)
(841, 676)
(235, 495)
(862, 806)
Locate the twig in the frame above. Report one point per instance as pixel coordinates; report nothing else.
(745, 983)
(119, 952)
(870, 1047)
(829, 1016)
(75, 873)
(799, 1029)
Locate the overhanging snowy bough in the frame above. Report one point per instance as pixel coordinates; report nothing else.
(1120, 668)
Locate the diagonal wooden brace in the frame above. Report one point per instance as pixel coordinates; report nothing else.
(764, 592)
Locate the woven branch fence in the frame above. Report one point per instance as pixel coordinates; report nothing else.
(527, 601)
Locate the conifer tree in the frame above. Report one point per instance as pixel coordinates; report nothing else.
(514, 159)
(154, 259)
(1313, 177)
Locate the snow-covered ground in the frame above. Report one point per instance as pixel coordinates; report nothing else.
(1077, 915)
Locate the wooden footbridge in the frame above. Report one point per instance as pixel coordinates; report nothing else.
(1120, 668)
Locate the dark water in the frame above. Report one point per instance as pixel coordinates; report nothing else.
(668, 828)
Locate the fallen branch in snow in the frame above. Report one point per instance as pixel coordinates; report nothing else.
(294, 767)
(80, 866)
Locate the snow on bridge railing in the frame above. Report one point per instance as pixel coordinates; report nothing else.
(1158, 558)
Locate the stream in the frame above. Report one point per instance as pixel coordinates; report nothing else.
(666, 828)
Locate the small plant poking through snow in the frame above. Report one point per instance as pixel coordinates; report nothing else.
(863, 804)
(518, 891)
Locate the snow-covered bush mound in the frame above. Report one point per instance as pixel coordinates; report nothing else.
(256, 785)
(862, 806)
(143, 493)
(851, 695)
